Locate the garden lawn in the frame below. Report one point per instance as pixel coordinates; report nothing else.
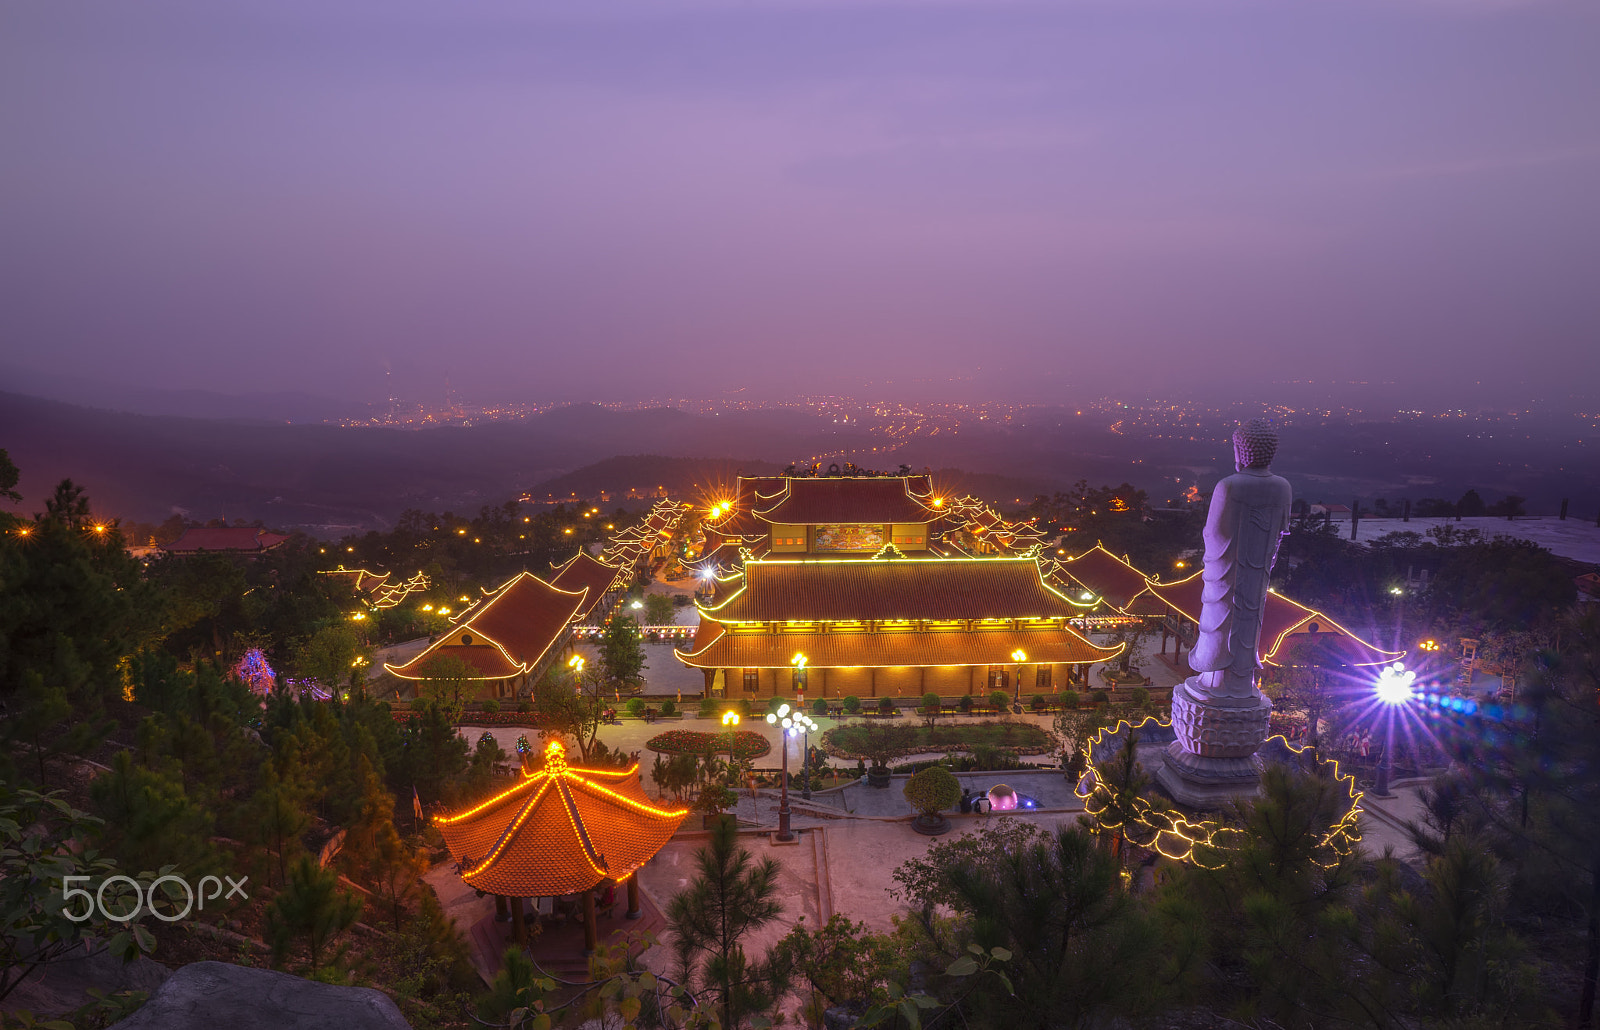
(1024, 738)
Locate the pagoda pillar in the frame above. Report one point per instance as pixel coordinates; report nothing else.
(519, 929)
(501, 913)
(591, 932)
(872, 672)
(824, 681)
(634, 911)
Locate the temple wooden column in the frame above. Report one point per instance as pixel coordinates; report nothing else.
(591, 932)
(501, 913)
(873, 674)
(634, 911)
(824, 681)
(519, 929)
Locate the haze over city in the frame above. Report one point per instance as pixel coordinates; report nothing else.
(952, 201)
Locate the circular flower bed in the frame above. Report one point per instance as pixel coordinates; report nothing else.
(746, 744)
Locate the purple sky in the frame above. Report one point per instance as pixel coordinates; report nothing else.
(549, 199)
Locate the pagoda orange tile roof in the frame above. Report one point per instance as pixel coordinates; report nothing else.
(715, 647)
(812, 502)
(1108, 576)
(584, 571)
(558, 830)
(901, 588)
(250, 539)
(507, 632)
(1280, 617)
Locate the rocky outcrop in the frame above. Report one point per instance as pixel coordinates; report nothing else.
(59, 987)
(207, 995)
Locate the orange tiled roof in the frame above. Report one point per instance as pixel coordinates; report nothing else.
(1110, 577)
(559, 830)
(582, 571)
(902, 588)
(716, 648)
(225, 538)
(519, 622)
(812, 502)
(1280, 617)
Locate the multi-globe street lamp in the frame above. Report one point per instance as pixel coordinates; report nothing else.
(1019, 656)
(789, 722)
(1393, 689)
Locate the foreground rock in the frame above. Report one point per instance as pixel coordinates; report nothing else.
(60, 987)
(207, 995)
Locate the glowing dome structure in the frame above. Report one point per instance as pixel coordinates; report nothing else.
(1002, 798)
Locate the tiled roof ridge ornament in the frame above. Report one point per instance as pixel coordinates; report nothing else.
(1219, 715)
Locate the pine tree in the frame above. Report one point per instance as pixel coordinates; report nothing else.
(733, 896)
(276, 818)
(311, 907)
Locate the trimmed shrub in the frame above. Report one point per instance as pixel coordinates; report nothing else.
(1069, 699)
(773, 703)
(933, 790)
(1140, 696)
(852, 704)
(930, 701)
(885, 706)
(1039, 701)
(708, 708)
(819, 707)
(998, 699)
(636, 707)
(1100, 697)
(491, 706)
(669, 707)
(524, 707)
(965, 704)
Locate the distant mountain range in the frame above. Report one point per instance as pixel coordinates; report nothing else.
(332, 480)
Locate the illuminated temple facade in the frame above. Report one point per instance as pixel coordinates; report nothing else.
(883, 589)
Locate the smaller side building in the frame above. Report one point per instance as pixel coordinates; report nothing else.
(508, 638)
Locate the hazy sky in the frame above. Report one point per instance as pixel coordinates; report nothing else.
(548, 199)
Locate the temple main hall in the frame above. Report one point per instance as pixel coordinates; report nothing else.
(874, 586)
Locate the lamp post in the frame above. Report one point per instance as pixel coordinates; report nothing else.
(805, 725)
(1019, 656)
(1393, 689)
(788, 725)
(730, 724)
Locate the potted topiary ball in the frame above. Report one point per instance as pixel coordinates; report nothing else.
(852, 704)
(930, 792)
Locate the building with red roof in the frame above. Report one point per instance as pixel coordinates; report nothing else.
(889, 626)
(246, 540)
(507, 638)
(559, 830)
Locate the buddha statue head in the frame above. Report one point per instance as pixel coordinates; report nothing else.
(1254, 444)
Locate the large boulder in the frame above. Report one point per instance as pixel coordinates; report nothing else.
(59, 987)
(207, 995)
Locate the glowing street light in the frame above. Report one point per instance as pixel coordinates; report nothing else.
(1019, 656)
(1393, 689)
(790, 722)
